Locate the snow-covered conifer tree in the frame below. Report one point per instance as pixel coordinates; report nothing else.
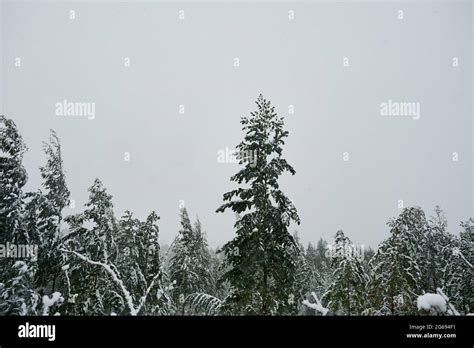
(92, 235)
(139, 262)
(189, 267)
(12, 179)
(260, 260)
(460, 269)
(346, 295)
(45, 212)
(434, 255)
(319, 266)
(396, 276)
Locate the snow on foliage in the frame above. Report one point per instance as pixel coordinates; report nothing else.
(92, 263)
(317, 306)
(431, 302)
(56, 299)
(208, 304)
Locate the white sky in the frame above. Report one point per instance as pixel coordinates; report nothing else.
(292, 62)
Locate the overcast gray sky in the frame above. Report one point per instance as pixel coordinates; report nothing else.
(291, 52)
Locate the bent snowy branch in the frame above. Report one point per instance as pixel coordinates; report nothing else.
(458, 252)
(133, 310)
(317, 306)
(144, 297)
(451, 307)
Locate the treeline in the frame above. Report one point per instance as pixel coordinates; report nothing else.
(94, 263)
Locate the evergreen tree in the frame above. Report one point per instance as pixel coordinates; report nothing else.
(459, 271)
(149, 248)
(12, 179)
(260, 260)
(314, 282)
(319, 266)
(321, 259)
(139, 262)
(302, 279)
(435, 254)
(347, 293)
(92, 235)
(54, 178)
(211, 303)
(16, 291)
(17, 296)
(129, 258)
(219, 289)
(189, 267)
(45, 213)
(395, 281)
(368, 254)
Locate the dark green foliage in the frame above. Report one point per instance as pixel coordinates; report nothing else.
(92, 290)
(102, 266)
(260, 259)
(12, 179)
(45, 211)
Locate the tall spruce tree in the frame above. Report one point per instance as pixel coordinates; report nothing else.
(261, 266)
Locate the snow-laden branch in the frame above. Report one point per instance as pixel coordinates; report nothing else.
(56, 299)
(436, 303)
(128, 297)
(201, 301)
(458, 252)
(144, 297)
(451, 307)
(431, 303)
(114, 276)
(317, 306)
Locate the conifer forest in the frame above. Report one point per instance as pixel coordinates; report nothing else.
(102, 262)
